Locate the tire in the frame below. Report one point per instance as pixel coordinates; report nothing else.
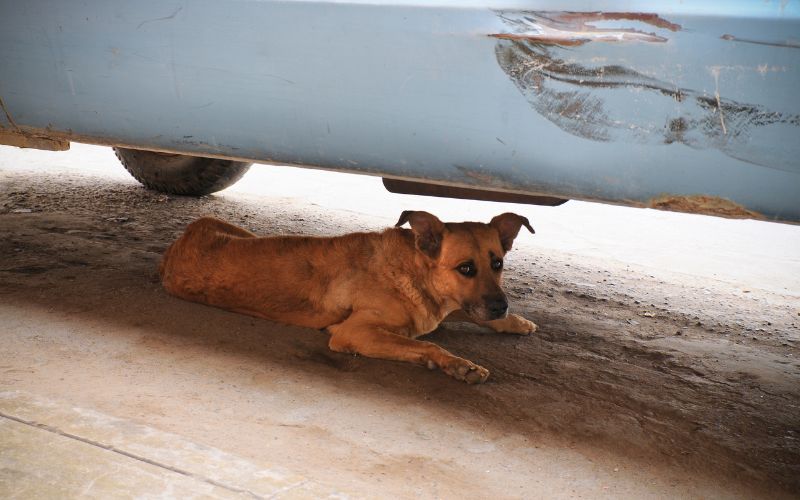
(181, 174)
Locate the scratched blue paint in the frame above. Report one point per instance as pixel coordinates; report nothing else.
(421, 90)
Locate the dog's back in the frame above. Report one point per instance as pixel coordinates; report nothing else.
(307, 281)
(199, 236)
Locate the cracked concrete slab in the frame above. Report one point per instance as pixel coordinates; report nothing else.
(51, 449)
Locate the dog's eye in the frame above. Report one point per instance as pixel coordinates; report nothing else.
(497, 264)
(467, 269)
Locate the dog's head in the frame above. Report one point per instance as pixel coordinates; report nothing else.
(467, 259)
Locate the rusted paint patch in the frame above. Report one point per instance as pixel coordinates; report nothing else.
(477, 175)
(791, 44)
(582, 18)
(24, 140)
(592, 101)
(487, 178)
(704, 205)
(576, 28)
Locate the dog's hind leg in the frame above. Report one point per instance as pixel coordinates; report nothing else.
(364, 336)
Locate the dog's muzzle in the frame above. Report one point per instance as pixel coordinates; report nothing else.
(497, 308)
(490, 308)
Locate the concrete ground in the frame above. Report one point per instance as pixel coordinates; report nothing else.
(665, 365)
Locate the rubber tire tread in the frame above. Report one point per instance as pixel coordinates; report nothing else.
(181, 174)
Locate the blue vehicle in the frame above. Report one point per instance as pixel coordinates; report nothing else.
(688, 106)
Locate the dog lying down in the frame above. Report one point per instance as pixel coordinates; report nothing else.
(375, 293)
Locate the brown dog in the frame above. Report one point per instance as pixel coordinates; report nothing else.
(373, 292)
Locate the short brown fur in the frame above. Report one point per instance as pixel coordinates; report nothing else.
(373, 292)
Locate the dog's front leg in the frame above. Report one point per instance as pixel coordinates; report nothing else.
(363, 335)
(512, 323)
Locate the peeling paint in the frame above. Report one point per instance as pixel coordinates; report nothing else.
(592, 100)
(576, 28)
(715, 72)
(704, 205)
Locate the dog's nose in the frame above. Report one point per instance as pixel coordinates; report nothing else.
(498, 307)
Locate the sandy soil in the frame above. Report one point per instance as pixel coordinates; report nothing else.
(642, 381)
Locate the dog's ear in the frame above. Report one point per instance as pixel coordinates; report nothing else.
(428, 231)
(508, 226)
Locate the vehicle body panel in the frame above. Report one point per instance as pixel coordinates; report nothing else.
(662, 104)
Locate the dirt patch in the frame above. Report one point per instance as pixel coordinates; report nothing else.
(700, 204)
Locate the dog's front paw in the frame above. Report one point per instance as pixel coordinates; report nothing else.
(465, 370)
(521, 325)
(512, 324)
